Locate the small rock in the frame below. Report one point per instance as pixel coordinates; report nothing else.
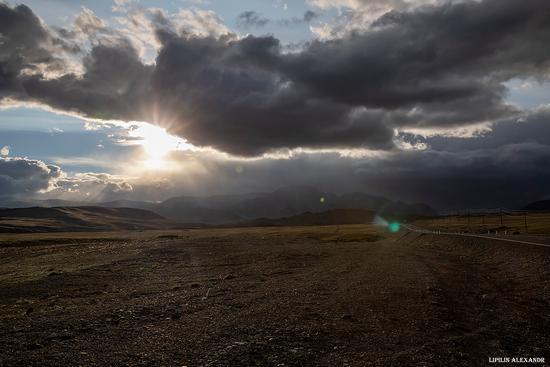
(229, 277)
(347, 316)
(29, 311)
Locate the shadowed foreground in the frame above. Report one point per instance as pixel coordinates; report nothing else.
(277, 297)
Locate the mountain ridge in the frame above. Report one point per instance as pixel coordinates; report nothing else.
(284, 202)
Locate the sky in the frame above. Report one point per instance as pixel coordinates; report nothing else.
(436, 101)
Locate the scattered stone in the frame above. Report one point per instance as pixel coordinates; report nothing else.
(29, 311)
(229, 277)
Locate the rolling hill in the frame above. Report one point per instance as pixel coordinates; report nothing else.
(74, 219)
(330, 217)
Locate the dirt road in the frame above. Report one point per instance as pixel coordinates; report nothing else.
(328, 296)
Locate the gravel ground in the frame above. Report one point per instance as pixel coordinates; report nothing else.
(272, 297)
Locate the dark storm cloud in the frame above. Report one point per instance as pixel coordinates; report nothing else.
(511, 176)
(506, 166)
(112, 86)
(439, 66)
(533, 128)
(251, 18)
(22, 46)
(22, 176)
(193, 75)
(446, 59)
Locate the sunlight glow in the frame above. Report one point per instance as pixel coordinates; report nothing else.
(157, 144)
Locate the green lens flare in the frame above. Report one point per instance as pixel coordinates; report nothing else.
(394, 227)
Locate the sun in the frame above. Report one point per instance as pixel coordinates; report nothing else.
(157, 145)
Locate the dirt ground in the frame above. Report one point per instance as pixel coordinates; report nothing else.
(322, 296)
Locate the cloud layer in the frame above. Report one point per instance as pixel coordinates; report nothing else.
(438, 66)
(433, 68)
(25, 177)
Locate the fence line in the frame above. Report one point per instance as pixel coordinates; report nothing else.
(462, 212)
(444, 233)
(489, 220)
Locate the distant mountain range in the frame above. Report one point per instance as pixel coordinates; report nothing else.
(231, 209)
(73, 219)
